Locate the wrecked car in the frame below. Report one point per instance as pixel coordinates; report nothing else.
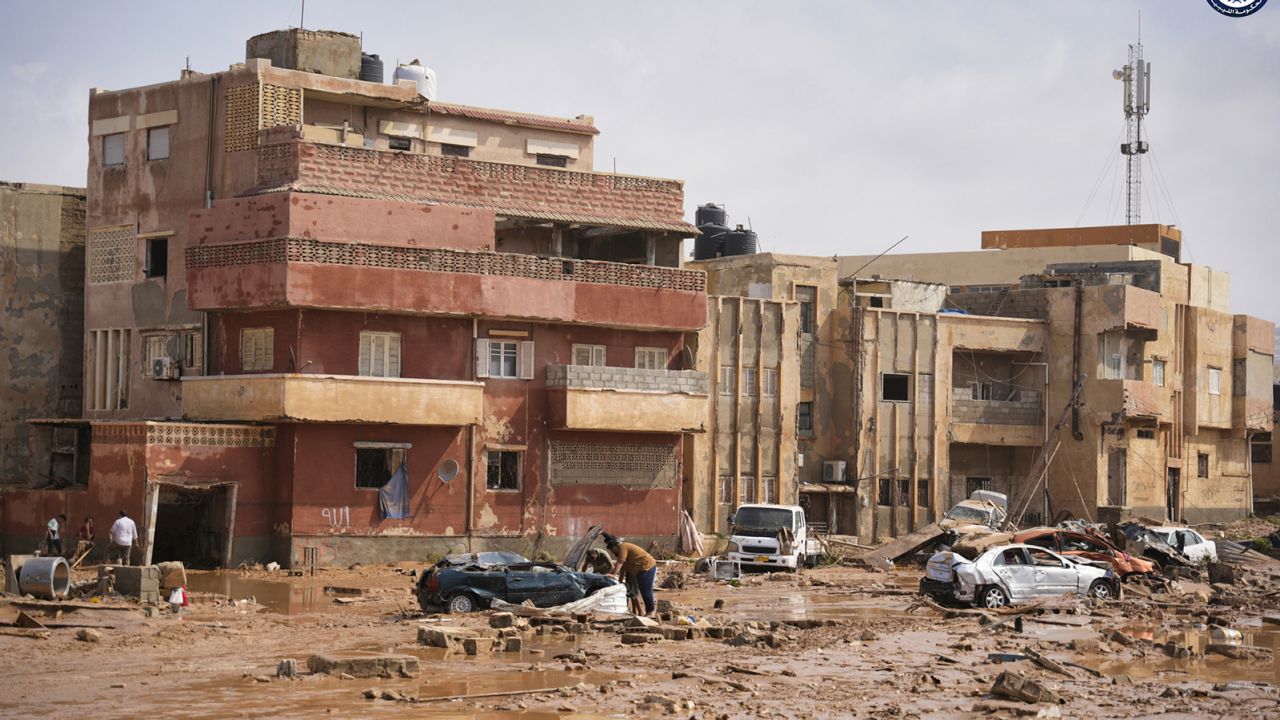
(983, 511)
(1086, 545)
(1012, 574)
(1190, 543)
(1169, 547)
(467, 582)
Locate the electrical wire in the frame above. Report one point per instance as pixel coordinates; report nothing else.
(1106, 162)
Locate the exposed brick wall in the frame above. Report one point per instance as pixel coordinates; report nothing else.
(1026, 411)
(1031, 304)
(622, 378)
(514, 189)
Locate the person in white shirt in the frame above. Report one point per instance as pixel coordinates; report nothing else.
(124, 536)
(53, 536)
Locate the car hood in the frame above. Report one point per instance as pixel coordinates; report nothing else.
(576, 558)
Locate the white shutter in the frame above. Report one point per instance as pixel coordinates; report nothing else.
(597, 355)
(248, 340)
(525, 363)
(393, 355)
(266, 349)
(581, 354)
(482, 357)
(366, 354)
(378, 356)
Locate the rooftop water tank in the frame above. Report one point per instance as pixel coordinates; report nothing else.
(371, 69)
(739, 242)
(710, 244)
(710, 214)
(422, 76)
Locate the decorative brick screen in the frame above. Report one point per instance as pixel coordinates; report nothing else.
(280, 106)
(635, 466)
(112, 255)
(302, 250)
(252, 107)
(167, 433)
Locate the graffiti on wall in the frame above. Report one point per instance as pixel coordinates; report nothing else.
(339, 517)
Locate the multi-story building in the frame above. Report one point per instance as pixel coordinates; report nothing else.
(1085, 372)
(300, 283)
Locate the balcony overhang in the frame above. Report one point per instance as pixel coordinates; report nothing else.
(627, 410)
(991, 434)
(332, 398)
(1136, 399)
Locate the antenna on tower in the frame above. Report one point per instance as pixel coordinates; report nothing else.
(1137, 103)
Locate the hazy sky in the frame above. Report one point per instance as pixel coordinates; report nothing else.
(836, 127)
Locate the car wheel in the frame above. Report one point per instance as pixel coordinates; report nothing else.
(800, 562)
(993, 597)
(1102, 590)
(463, 603)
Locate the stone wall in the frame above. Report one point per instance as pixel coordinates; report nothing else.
(623, 378)
(1024, 411)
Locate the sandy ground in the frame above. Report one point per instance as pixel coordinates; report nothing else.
(876, 652)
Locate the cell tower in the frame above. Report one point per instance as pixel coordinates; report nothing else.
(1137, 102)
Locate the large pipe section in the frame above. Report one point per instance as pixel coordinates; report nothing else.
(47, 578)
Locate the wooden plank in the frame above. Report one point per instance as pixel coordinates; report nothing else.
(904, 545)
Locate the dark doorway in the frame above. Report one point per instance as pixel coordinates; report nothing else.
(191, 526)
(1172, 492)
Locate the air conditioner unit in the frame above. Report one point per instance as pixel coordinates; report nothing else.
(164, 368)
(833, 471)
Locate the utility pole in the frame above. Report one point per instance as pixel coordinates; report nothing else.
(1137, 102)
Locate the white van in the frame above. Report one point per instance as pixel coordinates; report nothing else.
(771, 537)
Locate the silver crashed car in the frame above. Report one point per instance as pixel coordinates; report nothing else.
(1011, 574)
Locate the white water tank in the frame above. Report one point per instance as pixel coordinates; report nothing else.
(422, 76)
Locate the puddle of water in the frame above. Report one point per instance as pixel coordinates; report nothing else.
(476, 683)
(789, 603)
(1210, 667)
(281, 597)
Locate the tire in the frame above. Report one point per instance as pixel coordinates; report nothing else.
(462, 603)
(1102, 590)
(801, 561)
(992, 597)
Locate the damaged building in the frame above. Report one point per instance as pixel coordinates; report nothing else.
(328, 319)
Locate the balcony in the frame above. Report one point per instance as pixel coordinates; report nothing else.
(518, 191)
(1124, 307)
(620, 399)
(310, 273)
(1131, 399)
(1018, 422)
(332, 398)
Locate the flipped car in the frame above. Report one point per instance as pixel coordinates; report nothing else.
(1190, 543)
(984, 511)
(467, 582)
(1086, 545)
(1012, 574)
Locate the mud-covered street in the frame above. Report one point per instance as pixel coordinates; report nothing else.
(835, 641)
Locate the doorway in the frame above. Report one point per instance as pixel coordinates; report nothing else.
(1172, 493)
(191, 524)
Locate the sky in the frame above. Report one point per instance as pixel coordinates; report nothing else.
(830, 127)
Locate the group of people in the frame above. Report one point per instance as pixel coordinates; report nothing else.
(123, 532)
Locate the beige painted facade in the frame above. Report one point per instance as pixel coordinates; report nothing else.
(631, 410)
(332, 398)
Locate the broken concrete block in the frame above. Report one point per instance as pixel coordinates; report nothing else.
(478, 645)
(88, 635)
(172, 574)
(513, 644)
(502, 620)
(1016, 686)
(287, 668)
(364, 665)
(133, 580)
(450, 638)
(1120, 638)
(639, 638)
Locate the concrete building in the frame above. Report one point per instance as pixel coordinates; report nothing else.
(299, 283)
(938, 374)
(41, 328)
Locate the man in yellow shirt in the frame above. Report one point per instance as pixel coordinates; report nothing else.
(635, 565)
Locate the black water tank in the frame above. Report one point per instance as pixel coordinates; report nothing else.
(710, 244)
(739, 242)
(371, 68)
(710, 214)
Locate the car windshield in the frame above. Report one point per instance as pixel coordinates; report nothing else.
(968, 514)
(757, 518)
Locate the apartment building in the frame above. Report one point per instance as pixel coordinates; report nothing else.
(329, 320)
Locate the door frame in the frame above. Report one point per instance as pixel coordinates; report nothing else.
(151, 504)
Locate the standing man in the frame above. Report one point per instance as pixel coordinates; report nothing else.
(124, 536)
(53, 536)
(636, 566)
(87, 536)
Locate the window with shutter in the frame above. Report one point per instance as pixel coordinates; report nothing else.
(257, 349)
(503, 359)
(380, 354)
(651, 358)
(749, 381)
(482, 357)
(726, 380)
(770, 382)
(588, 355)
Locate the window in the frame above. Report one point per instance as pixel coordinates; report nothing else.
(1157, 372)
(1202, 465)
(895, 387)
(504, 358)
(1215, 381)
(770, 382)
(504, 470)
(553, 160)
(726, 380)
(257, 349)
(153, 347)
(1260, 449)
(379, 354)
(455, 150)
(1043, 558)
(588, 355)
(113, 149)
(922, 492)
(1146, 434)
(807, 295)
(192, 345)
(377, 462)
(651, 358)
(804, 418)
(157, 257)
(399, 143)
(748, 488)
(770, 489)
(750, 386)
(974, 484)
(904, 490)
(979, 390)
(108, 383)
(158, 143)
(885, 494)
(1111, 348)
(726, 490)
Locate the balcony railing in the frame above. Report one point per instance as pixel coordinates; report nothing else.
(616, 399)
(591, 377)
(1024, 410)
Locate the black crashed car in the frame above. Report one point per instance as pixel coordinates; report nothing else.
(468, 582)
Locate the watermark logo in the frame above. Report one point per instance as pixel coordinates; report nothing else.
(1237, 8)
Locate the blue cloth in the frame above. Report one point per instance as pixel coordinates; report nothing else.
(645, 581)
(393, 498)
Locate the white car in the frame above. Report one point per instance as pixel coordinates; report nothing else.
(1011, 574)
(1189, 543)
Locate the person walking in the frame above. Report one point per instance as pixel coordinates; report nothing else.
(636, 566)
(86, 538)
(53, 536)
(124, 536)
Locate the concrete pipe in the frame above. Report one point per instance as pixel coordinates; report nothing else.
(47, 578)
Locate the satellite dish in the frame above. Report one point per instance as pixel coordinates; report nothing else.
(447, 471)
(1117, 74)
